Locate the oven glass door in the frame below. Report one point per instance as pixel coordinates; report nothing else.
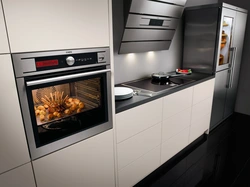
(64, 105)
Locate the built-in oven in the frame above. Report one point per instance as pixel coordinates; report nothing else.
(65, 96)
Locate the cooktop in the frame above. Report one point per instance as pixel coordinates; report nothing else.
(156, 86)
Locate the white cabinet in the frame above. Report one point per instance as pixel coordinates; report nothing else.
(177, 110)
(134, 121)
(139, 169)
(51, 24)
(201, 110)
(174, 145)
(138, 142)
(19, 177)
(87, 163)
(4, 46)
(150, 134)
(13, 145)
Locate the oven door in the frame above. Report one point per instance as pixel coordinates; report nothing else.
(63, 109)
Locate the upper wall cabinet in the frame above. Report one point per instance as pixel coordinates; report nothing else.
(52, 24)
(4, 47)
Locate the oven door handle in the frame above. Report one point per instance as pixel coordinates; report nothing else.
(66, 77)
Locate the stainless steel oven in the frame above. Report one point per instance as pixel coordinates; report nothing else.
(65, 96)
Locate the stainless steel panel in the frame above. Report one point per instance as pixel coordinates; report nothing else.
(65, 77)
(177, 2)
(238, 40)
(219, 99)
(133, 47)
(147, 34)
(24, 63)
(156, 8)
(37, 152)
(142, 21)
(200, 39)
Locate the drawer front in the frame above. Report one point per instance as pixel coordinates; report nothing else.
(138, 119)
(177, 102)
(156, 8)
(146, 34)
(203, 91)
(136, 171)
(198, 127)
(142, 21)
(174, 145)
(175, 124)
(136, 146)
(201, 109)
(19, 177)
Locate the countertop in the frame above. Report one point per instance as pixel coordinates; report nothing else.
(137, 100)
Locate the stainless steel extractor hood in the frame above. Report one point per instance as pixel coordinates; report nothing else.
(150, 24)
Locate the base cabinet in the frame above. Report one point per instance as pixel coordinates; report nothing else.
(152, 133)
(201, 109)
(88, 163)
(18, 177)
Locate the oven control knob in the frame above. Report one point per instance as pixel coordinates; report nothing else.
(70, 60)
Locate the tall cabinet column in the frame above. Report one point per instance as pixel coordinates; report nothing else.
(15, 166)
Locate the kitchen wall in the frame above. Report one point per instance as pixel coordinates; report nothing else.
(129, 67)
(134, 66)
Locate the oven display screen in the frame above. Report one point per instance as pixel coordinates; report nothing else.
(46, 63)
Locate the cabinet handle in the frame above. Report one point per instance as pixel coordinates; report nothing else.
(65, 77)
(232, 66)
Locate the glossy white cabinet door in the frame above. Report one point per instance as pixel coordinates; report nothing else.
(177, 102)
(140, 168)
(88, 163)
(52, 24)
(136, 146)
(19, 177)
(174, 145)
(131, 122)
(4, 46)
(13, 144)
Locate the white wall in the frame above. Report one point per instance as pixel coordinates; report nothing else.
(129, 67)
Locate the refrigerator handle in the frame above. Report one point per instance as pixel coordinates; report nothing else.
(232, 66)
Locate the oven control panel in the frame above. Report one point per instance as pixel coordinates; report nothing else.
(55, 61)
(70, 60)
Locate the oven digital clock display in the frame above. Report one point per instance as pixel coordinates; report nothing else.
(46, 63)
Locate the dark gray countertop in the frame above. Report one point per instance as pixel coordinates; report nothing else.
(136, 100)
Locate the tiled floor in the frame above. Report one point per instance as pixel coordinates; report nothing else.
(220, 159)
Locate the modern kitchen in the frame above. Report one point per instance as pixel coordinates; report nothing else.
(111, 93)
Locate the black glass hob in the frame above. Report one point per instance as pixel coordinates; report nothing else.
(152, 85)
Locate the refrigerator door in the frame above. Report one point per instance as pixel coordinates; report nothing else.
(201, 38)
(238, 40)
(220, 91)
(225, 38)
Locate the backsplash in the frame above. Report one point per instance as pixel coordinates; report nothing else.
(133, 66)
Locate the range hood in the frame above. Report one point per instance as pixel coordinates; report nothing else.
(150, 24)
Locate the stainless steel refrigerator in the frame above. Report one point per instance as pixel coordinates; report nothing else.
(213, 44)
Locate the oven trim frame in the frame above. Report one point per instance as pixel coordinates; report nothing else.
(21, 78)
(37, 152)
